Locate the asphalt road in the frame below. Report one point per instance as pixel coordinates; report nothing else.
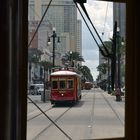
(96, 116)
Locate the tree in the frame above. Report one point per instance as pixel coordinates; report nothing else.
(102, 68)
(86, 73)
(69, 58)
(47, 65)
(34, 55)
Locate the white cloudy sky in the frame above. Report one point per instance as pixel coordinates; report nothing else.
(101, 16)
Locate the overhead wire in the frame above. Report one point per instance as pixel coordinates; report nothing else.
(39, 23)
(85, 11)
(50, 119)
(42, 42)
(28, 96)
(90, 30)
(105, 18)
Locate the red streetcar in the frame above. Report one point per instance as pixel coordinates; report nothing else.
(65, 86)
(88, 85)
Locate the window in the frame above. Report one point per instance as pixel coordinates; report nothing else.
(54, 83)
(62, 83)
(9, 110)
(70, 83)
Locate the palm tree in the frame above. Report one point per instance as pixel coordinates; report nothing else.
(34, 55)
(102, 68)
(47, 65)
(70, 57)
(86, 73)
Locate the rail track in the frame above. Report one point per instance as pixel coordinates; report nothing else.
(57, 115)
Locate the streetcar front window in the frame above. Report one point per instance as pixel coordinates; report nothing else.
(70, 84)
(54, 85)
(62, 84)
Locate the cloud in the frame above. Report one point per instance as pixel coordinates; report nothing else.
(91, 55)
(101, 14)
(92, 64)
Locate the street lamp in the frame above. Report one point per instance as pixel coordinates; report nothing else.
(71, 58)
(118, 88)
(118, 56)
(54, 35)
(108, 77)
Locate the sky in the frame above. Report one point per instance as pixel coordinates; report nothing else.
(101, 15)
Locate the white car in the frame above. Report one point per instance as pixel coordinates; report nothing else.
(40, 88)
(123, 91)
(36, 89)
(32, 89)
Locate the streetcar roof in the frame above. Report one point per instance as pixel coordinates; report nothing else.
(63, 73)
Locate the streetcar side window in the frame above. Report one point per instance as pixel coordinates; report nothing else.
(54, 84)
(70, 83)
(62, 83)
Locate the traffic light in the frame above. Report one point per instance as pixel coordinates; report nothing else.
(80, 1)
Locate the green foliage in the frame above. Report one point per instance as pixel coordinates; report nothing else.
(47, 65)
(70, 56)
(102, 68)
(86, 73)
(34, 55)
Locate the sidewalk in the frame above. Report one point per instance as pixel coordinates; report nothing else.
(117, 106)
(113, 96)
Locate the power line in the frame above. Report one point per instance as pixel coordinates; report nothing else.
(102, 52)
(105, 18)
(40, 23)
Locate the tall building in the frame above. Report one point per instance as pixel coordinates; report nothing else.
(40, 39)
(62, 14)
(119, 15)
(79, 36)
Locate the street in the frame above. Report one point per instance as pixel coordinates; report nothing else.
(97, 115)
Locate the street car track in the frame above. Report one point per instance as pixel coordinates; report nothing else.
(39, 114)
(113, 110)
(52, 123)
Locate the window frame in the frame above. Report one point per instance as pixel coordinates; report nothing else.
(14, 103)
(70, 79)
(62, 79)
(130, 103)
(56, 80)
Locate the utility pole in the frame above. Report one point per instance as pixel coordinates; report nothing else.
(113, 58)
(108, 75)
(54, 35)
(118, 82)
(44, 94)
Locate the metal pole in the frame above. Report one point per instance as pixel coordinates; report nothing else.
(53, 51)
(118, 90)
(113, 59)
(119, 55)
(44, 99)
(108, 77)
(54, 36)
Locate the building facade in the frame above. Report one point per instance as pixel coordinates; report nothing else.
(119, 15)
(62, 14)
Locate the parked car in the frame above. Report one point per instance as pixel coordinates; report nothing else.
(36, 89)
(40, 88)
(32, 89)
(123, 91)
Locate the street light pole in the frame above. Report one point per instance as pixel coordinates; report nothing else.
(70, 58)
(118, 57)
(118, 90)
(54, 35)
(108, 76)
